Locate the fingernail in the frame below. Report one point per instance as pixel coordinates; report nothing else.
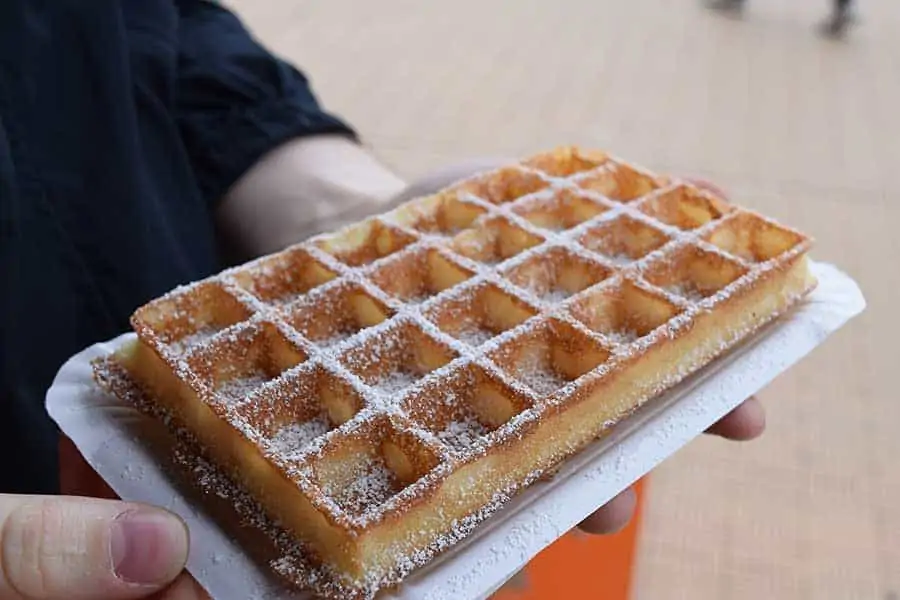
(148, 546)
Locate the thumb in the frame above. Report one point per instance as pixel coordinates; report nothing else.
(84, 549)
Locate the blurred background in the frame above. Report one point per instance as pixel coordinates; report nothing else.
(801, 127)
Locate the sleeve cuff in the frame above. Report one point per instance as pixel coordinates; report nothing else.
(235, 141)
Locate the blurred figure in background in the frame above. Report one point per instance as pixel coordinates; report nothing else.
(835, 26)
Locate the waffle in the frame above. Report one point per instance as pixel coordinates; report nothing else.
(382, 389)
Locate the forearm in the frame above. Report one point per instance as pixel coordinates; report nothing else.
(276, 166)
(303, 187)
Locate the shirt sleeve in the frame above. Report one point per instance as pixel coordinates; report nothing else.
(235, 100)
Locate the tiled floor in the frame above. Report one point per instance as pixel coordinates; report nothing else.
(800, 127)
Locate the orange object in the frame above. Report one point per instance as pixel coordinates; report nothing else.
(580, 566)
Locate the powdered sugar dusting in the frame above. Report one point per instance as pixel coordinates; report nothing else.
(462, 433)
(543, 381)
(391, 384)
(620, 260)
(622, 336)
(336, 338)
(236, 389)
(198, 338)
(370, 484)
(292, 440)
(686, 291)
(383, 363)
(474, 334)
(555, 295)
(541, 377)
(417, 297)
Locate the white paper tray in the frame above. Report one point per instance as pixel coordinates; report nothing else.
(104, 430)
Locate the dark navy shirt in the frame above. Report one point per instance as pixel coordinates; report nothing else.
(122, 122)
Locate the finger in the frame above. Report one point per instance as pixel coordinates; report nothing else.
(708, 186)
(746, 422)
(84, 549)
(612, 516)
(77, 477)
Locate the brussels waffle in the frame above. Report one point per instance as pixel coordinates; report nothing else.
(382, 389)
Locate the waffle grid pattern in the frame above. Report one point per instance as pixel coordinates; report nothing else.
(414, 342)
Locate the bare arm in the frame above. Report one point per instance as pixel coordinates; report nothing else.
(305, 186)
(319, 183)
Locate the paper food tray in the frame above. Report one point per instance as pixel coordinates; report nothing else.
(103, 429)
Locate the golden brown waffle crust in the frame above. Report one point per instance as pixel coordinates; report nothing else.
(458, 347)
